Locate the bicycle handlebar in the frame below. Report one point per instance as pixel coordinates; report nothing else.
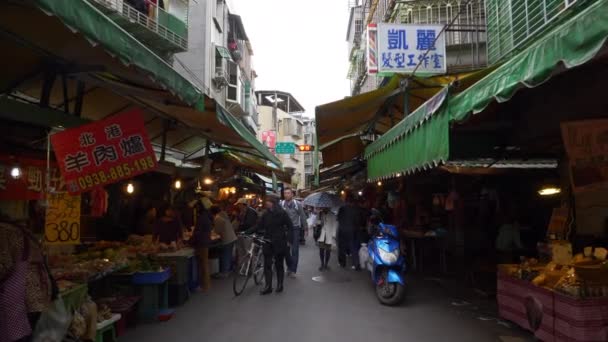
(255, 237)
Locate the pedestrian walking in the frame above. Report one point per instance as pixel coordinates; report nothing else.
(349, 224)
(277, 228)
(326, 228)
(296, 214)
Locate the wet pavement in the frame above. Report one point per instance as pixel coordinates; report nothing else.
(338, 305)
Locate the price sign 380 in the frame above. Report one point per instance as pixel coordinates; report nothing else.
(62, 223)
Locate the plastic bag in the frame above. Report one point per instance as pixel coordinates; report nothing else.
(53, 324)
(364, 257)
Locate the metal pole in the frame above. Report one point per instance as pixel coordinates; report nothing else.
(164, 141)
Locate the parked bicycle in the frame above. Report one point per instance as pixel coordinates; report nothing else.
(251, 264)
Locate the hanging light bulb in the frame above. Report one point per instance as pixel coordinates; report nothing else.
(178, 184)
(130, 188)
(208, 181)
(360, 193)
(16, 172)
(379, 183)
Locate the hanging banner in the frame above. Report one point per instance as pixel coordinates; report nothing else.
(586, 144)
(62, 221)
(404, 47)
(104, 152)
(31, 183)
(269, 138)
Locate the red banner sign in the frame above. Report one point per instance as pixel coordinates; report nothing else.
(104, 152)
(31, 183)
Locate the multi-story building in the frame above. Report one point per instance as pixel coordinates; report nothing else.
(220, 58)
(465, 36)
(282, 118)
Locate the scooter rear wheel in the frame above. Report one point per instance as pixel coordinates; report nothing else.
(390, 294)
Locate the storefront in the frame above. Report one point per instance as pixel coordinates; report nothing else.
(517, 153)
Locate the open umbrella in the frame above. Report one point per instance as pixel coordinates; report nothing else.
(322, 200)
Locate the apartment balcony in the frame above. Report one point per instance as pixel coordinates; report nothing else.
(513, 25)
(163, 30)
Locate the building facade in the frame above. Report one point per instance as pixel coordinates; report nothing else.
(465, 37)
(220, 58)
(281, 119)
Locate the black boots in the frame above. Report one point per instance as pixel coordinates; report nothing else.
(267, 290)
(279, 288)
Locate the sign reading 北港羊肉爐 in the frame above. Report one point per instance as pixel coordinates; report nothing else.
(104, 152)
(402, 48)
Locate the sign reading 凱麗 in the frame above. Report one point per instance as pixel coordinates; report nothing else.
(104, 152)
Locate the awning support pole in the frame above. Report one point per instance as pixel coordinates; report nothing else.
(47, 86)
(163, 146)
(80, 88)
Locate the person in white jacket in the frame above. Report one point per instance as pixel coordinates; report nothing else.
(327, 222)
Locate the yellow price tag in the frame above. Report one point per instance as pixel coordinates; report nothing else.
(62, 222)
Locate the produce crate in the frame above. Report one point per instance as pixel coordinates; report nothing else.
(126, 307)
(179, 268)
(516, 299)
(178, 294)
(581, 319)
(149, 278)
(154, 299)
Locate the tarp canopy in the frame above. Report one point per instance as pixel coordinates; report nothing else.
(422, 140)
(78, 61)
(340, 123)
(250, 163)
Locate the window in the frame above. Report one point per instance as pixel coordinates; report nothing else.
(291, 127)
(308, 158)
(358, 28)
(233, 89)
(308, 169)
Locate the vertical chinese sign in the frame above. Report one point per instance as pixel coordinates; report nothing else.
(62, 222)
(402, 48)
(586, 144)
(269, 139)
(104, 152)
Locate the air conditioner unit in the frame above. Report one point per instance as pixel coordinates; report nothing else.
(221, 77)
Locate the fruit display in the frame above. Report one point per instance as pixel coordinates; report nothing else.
(585, 276)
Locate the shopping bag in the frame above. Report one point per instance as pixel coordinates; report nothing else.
(53, 324)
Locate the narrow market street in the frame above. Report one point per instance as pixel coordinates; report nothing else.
(342, 307)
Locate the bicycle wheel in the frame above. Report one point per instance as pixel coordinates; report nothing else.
(241, 275)
(258, 270)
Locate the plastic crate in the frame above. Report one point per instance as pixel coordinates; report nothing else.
(589, 312)
(149, 278)
(178, 294)
(179, 268)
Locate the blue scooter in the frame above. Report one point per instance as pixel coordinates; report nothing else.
(387, 265)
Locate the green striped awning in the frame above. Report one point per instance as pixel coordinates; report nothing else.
(422, 139)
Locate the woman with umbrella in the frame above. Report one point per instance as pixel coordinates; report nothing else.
(326, 224)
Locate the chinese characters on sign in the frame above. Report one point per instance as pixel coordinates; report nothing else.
(62, 221)
(586, 144)
(401, 48)
(32, 183)
(104, 152)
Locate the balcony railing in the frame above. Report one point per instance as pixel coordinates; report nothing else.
(148, 23)
(512, 25)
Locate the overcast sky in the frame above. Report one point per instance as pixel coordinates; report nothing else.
(299, 47)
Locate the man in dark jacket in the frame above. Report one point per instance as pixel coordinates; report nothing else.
(276, 226)
(247, 216)
(349, 224)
